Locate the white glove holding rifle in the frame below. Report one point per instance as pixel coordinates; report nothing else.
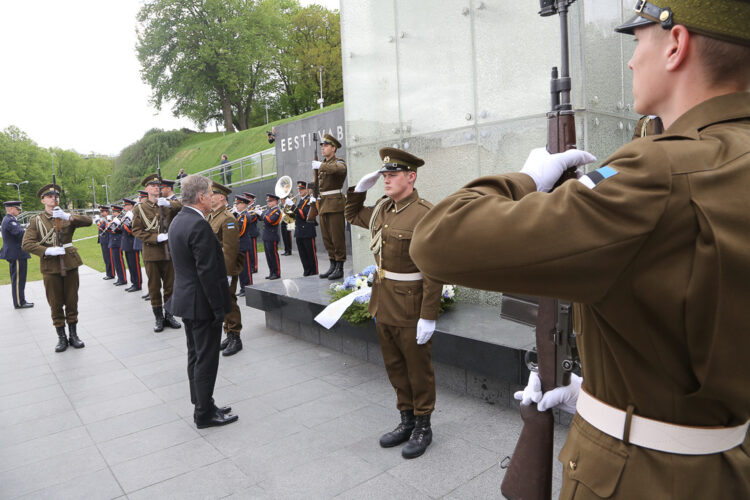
(547, 168)
(564, 397)
(57, 213)
(162, 202)
(54, 251)
(161, 237)
(316, 164)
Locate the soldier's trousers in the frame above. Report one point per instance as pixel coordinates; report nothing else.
(409, 367)
(271, 249)
(233, 319)
(333, 232)
(107, 262)
(160, 275)
(286, 237)
(18, 281)
(62, 292)
(118, 264)
(308, 255)
(246, 275)
(134, 264)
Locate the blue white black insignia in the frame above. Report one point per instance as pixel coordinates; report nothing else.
(592, 179)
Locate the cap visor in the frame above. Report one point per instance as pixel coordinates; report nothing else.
(635, 22)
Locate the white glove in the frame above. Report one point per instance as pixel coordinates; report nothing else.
(229, 280)
(316, 164)
(546, 168)
(115, 222)
(564, 397)
(367, 182)
(58, 213)
(129, 216)
(162, 202)
(289, 203)
(425, 329)
(313, 199)
(162, 237)
(258, 211)
(54, 251)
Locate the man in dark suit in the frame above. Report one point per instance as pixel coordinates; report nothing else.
(201, 296)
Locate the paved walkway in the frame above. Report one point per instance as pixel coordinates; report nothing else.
(114, 420)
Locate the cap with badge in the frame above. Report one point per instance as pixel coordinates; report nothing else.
(396, 160)
(723, 19)
(150, 179)
(116, 208)
(9, 204)
(272, 196)
(167, 183)
(329, 139)
(220, 189)
(47, 190)
(302, 184)
(249, 195)
(142, 194)
(103, 207)
(128, 201)
(241, 199)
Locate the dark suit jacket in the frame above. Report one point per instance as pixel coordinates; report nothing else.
(12, 236)
(200, 275)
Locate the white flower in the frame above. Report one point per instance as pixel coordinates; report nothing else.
(360, 283)
(449, 291)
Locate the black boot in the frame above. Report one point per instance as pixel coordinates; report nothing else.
(62, 339)
(74, 340)
(401, 433)
(234, 346)
(224, 343)
(170, 321)
(420, 439)
(337, 273)
(330, 270)
(159, 315)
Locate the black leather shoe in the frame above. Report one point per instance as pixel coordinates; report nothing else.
(273, 277)
(287, 253)
(62, 339)
(401, 433)
(74, 340)
(171, 322)
(224, 343)
(26, 305)
(119, 283)
(133, 289)
(330, 270)
(242, 293)
(216, 420)
(420, 439)
(159, 315)
(223, 410)
(108, 278)
(146, 297)
(337, 273)
(234, 346)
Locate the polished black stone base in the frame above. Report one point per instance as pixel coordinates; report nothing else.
(474, 350)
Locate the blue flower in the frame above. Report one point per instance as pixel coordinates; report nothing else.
(369, 270)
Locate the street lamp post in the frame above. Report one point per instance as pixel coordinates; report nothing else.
(320, 101)
(17, 187)
(266, 113)
(106, 187)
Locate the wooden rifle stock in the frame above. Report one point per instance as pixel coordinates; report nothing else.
(313, 213)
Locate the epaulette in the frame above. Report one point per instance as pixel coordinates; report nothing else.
(425, 203)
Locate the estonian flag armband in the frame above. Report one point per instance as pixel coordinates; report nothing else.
(592, 179)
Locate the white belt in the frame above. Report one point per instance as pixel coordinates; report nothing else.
(333, 191)
(656, 435)
(403, 276)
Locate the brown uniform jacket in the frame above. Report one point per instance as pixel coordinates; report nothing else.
(397, 303)
(42, 223)
(152, 251)
(331, 176)
(225, 228)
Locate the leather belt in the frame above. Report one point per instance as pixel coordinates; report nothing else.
(402, 276)
(656, 435)
(333, 191)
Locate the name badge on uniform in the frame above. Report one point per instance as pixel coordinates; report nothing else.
(592, 179)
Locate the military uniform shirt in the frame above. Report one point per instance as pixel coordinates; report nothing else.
(224, 226)
(41, 235)
(331, 177)
(147, 228)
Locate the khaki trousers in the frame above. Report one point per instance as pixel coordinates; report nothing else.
(409, 367)
(160, 275)
(233, 319)
(333, 232)
(62, 291)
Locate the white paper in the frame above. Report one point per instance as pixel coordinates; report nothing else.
(331, 314)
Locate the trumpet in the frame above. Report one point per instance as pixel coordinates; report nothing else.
(282, 189)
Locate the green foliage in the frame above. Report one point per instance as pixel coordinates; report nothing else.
(356, 314)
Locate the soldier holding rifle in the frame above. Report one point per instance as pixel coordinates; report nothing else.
(330, 179)
(652, 248)
(50, 237)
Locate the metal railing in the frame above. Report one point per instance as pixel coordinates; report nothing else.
(252, 168)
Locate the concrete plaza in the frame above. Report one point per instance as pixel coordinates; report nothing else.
(114, 420)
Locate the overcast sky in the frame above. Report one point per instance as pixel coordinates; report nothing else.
(71, 78)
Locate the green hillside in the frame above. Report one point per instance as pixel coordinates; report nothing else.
(203, 150)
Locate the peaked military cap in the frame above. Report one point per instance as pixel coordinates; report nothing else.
(329, 139)
(142, 194)
(302, 184)
(167, 183)
(397, 160)
(103, 207)
(241, 199)
(249, 195)
(269, 195)
(48, 189)
(128, 201)
(15, 203)
(723, 19)
(220, 189)
(117, 208)
(150, 179)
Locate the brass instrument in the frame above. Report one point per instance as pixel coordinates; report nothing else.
(282, 189)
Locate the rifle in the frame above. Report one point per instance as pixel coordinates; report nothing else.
(58, 222)
(162, 216)
(313, 213)
(529, 475)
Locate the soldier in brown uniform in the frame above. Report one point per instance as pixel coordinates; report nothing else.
(404, 304)
(653, 249)
(147, 228)
(331, 178)
(225, 228)
(60, 275)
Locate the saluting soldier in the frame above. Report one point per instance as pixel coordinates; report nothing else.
(103, 240)
(331, 178)
(132, 254)
(17, 259)
(252, 229)
(271, 220)
(304, 231)
(246, 273)
(404, 304)
(148, 228)
(114, 229)
(652, 247)
(224, 226)
(60, 275)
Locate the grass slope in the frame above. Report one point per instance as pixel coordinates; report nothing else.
(203, 150)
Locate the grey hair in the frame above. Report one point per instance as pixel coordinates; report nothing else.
(194, 185)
